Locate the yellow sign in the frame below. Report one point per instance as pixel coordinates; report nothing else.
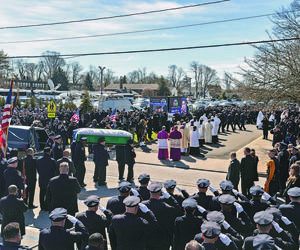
(51, 115)
(51, 107)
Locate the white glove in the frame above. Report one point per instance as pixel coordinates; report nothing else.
(165, 194)
(235, 192)
(286, 220)
(225, 224)
(135, 193)
(212, 189)
(102, 209)
(277, 227)
(266, 196)
(179, 189)
(201, 209)
(25, 186)
(238, 207)
(225, 239)
(72, 219)
(143, 208)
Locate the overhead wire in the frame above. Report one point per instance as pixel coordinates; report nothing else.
(112, 17)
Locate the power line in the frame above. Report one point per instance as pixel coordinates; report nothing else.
(111, 17)
(140, 31)
(161, 50)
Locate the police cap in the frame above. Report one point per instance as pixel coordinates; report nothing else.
(170, 184)
(83, 138)
(294, 192)
(12, 160)
(189, 204)
(131, 201)
(144, 178)
(101, 139)
(47, 149)
(155, 187)
(263, 218)
(92, 201)
(226, 185)
(57, 137)
(58, 214)
(210, 229)
(203, 183)
(275, 212)
(256, 190)
(51, 134)
(227, 199)
(283, 144)
(263, 241)
(215, 216)
(124, 187)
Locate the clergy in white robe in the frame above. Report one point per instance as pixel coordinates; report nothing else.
(194, 141)
(208, 132)
(215, 129)
(184, 130)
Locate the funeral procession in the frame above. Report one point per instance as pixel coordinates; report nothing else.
(150, 125)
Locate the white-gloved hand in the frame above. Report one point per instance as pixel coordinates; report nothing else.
(212, 189)
(277, 227)
(286, 220)
(235, 192)
(225, 224)
(102, 209)
(165, 194)
(72, 219)
(143, 208)
(25, 186)
(225, 239)
(135, 193)
(238, 207)
(179, 189)
(201, 209)
(266, 196)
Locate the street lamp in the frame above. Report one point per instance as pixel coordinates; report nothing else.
(101, 74)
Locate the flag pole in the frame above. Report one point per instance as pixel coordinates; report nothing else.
(10, 87)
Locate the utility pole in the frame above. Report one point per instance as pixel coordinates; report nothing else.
(101, 79)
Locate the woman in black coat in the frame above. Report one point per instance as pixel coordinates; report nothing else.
(293, 181)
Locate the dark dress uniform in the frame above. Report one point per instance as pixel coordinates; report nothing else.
(292, 212)
(79, 159)
(72, 170)
(247, 173)
(120, 158)
(62, 192)
(12, 210)
(143, 190)
(233, 174)
(46, 168)
(203, 200)
(13, 177)
(130, 160)
(49, 143)
(3, 166)
(100, 159)
(115, 205)
(283, 158)
(260, 241)
(57, 151)
(11, 246)
(30, 173)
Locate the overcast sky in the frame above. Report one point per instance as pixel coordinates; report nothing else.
(20, 12)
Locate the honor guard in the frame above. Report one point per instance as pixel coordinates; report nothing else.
(57, 149)
(50, 140)
(143, 188)
(203, 200)
(170, 186)
(79, 159)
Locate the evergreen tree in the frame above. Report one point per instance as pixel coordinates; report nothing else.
(88, 82)
(86, 104)
(40, 103)
(2, 101)
(60, 77)
(163, 87)
(18, 102)
(33, 102)
(223, 95)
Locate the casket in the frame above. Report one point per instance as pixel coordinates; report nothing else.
(112, 136)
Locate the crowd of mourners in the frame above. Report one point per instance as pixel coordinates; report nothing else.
(154, 215)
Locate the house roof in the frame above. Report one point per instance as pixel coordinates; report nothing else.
(132, 86)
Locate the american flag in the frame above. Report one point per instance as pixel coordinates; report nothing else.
(6, 119)
(76, 116)
(113, 114)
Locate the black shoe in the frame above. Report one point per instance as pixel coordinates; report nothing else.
(102, 183)
(32, 207)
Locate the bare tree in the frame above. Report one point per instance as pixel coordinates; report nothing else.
(175, 76)
(30, 69)
(108, 77)
(198, 74)
(52, 61)
(76, 68)
(20, 64)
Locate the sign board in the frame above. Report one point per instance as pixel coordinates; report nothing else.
(51, 109)
(177, 104)
(159, 104)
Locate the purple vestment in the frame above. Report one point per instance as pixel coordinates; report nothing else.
(162, 138)
(175, 146)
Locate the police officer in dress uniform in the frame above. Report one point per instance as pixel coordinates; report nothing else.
(79, 159)
(143, 188)
(50, 140)
(96, 242)
(115, 204)
(12, 209)
(65, 158)
(57, 149)
(120, 158)
(100, 159)
(11, 237)
(57, 237)
(94, 222)
(127, 230)
(130, 159)
(210, 232)
(45, 166)
(170, 185)
(186, 226)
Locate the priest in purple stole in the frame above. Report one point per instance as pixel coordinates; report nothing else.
(175, 144)
(162, 138)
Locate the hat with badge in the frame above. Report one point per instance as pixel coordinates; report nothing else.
(263, 241)
(263, 218)
(215, 216)
(57, 137)
(256, 190)
(131, 201)
(155, 187)
(101, 139)
(170, 184)
(51, 134)
(92, 201)
(58, 214)
(83, 138)
(226, 185)
(275, 212)
(189, 204)
(283, 144)
(227, 199)
(124, 187)
(12, 160)
(294, 192)
(144, 178)
(203, 183)
(210, 229)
